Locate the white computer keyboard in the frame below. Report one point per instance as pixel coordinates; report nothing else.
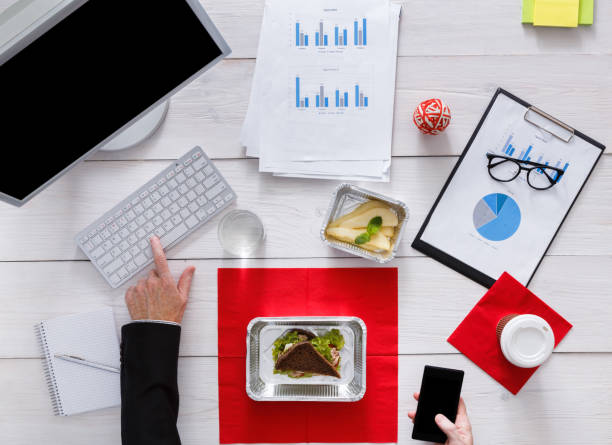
(173, 204)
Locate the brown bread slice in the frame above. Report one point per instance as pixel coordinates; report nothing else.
(304, 357)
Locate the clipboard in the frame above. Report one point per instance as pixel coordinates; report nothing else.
(509, 202)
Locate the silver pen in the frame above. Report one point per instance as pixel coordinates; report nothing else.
(81, 361)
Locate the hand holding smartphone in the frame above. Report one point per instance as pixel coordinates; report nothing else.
(440, 392)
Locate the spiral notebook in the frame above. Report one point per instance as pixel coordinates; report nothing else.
(76, 388)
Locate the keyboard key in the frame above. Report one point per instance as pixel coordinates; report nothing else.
(158, 220)
(172, 183)
(126, 257)
(149, 214)
(124, 246)
(166, 214)
(134, 250)
(140, 233)
(185, 213)
(124, 233)
(132, 239)
(187, 162)
(201, 214)
(140, 259)
(116, 239)
(228, 197)
(215, 190)
(212, 180)
(176, 219)
(191, 221)
(159, 232)
(173, 235)
(191, 183)
(143, 194)
(165, 201)
(147, 203)
(152, 188)
(139, 209)
(170, 174)
(97, 253)
(112, 267)
(182, 202)
(174, 207)
(181, 178)
(191, 195)
(161, 182)
(123, 273)
(131, 266)
(208, 169)
(115, 279)
(201, 200)
(96, 240)
(122, 221)
(174, 195)
(211, 209)
(219, 205)
(104, 260)
(189, 171)
(107, 245)
(143, 244)
(141, 220)
(168, 225)
(193, 207)
(199, 163)
(115, 252)
(199, 176)
(105, 234)
(183, 188)
(155, 196)
(148, 227)
(164, 190)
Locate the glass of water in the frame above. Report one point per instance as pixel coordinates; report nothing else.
(240, 233)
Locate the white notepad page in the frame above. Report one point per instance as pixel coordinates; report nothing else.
(91, 336)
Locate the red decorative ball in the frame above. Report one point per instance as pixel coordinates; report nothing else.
(432, 116)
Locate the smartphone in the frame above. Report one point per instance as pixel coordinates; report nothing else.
(440, 392)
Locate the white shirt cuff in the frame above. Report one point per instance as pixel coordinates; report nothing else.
(156, 321)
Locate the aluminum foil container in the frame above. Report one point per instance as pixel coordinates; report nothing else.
(347, 198)
(263, 385)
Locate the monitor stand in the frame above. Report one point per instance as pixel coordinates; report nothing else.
(140, 130)
(23, 16)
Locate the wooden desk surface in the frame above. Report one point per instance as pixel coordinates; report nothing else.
(459, 50)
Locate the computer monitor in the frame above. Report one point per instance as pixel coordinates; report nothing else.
(88, 72)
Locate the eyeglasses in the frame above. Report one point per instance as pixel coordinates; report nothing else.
(539, 176)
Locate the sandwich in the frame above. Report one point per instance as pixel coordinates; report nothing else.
(300, 353)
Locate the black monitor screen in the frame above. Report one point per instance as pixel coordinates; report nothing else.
(87, 77)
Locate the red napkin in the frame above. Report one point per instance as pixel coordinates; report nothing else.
(370, 294)
(476, 336)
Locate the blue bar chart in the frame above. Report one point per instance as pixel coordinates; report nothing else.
(527, 154)
(339, 98)
(331, 35)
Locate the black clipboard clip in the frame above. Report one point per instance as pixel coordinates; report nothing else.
(549, 124)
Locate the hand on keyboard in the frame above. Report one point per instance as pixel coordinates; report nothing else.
(158, 297)
(178, 200)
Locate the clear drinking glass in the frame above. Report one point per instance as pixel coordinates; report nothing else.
(240, 233)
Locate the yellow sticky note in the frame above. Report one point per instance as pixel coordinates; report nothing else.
(556, 13)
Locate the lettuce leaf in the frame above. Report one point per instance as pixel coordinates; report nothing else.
(279, 344)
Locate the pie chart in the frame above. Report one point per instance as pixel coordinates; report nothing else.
(497, 217)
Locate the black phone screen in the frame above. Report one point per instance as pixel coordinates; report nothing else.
(440, 392)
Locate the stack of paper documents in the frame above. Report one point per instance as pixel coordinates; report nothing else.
(322, 98)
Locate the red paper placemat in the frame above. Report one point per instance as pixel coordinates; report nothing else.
(367, 293)
(476, 336)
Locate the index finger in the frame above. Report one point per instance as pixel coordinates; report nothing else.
(161, 264)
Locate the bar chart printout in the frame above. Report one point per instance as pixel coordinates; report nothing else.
(360, 99)
(322, 99)
(526, 155)
(360, 33)
(301, 39)
(331, 34)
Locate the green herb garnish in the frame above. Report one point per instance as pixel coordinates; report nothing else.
(373, 227)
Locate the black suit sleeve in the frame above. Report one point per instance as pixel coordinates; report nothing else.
(149, 391)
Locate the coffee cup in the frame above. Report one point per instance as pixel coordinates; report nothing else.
(526, 340)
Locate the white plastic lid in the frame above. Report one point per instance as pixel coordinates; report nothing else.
(527, 341)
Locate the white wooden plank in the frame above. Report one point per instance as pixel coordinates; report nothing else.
(438, 28)
(210, 111)
(433, 300)
(44, 229)
(567, 401)
(441, 28)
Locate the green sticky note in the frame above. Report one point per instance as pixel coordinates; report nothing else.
(528, 11)
(563, 13)
(585, 11)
